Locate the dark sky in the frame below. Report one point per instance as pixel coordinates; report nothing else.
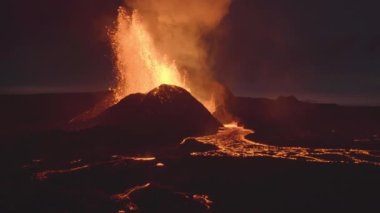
(323, 50)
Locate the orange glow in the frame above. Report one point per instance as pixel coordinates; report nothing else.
(126, 197)
(118, 157)
(230, 141)
(127, 193)
(160, 164)
(231, 125)
(45, 174)
(203, 199)
(140, 66)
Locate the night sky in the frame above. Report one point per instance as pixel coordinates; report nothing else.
(320, 50)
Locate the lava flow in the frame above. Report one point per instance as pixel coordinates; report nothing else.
(230, 141)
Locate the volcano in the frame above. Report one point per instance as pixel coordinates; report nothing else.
(165, 108)
(163, 116)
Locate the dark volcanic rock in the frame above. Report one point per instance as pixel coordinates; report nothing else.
(165, 199)
(152, 123)
(287, 121)
(192, 145)
(165, 109)
(43, 112)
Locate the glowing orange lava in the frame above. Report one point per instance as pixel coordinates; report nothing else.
(126, 198)
(140, 66)
(230, 125)
(230, 141)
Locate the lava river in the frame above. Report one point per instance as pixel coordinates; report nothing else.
(230, 141)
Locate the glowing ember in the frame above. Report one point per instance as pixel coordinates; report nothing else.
(203, 199)
(45, 174)
(125, 197)
(76, 161)
(127, 193)
(160, 164)
(141, 67)
(118, 157)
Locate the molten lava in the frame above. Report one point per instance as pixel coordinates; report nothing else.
(230, 141)
(140, 66)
